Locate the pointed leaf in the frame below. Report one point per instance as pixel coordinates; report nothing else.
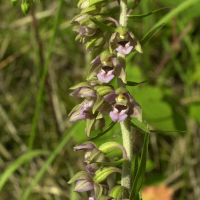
(157, 131)
(104, 132)
(103, 26)
(138, 124)
(150, 34)
(145, 15)
(118, 162)
(141, 170)
(89, 124)
(130, 83)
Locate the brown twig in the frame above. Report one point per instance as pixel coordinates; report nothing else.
(136, 3)
(175, 46)
(47, 82)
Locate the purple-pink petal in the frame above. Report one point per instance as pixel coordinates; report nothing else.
(105, 78)
(83, 185)
(118, 117)
(124, 50)
(85, 146)
(76, 116)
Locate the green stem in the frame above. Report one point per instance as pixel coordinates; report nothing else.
(127, 134)
(41, 90)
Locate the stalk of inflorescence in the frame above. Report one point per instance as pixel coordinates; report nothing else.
(127, 134)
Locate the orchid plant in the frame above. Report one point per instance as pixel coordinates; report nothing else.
(97, 29)
(114, 40)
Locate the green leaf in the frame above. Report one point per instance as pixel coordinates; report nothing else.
(18, 162)
(145, 15)
(134, 167)
(118, 162)
(103, 26)
(138, 124)
(104, 132)
(141, 170)
(130, 83)
(150, 34)
(157, 131)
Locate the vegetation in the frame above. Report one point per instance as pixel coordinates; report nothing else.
(32, 119)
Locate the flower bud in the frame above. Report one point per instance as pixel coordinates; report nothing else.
(110, 146)
(117, 192)
(25, 7)
(103, 89)
(83, 4)
(14, 2)
(102, 174)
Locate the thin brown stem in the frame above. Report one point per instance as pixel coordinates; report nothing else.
(136, 3)
(47, 81)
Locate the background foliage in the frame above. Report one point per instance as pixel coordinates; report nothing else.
(170, 100)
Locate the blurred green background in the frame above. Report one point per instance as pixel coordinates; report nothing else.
(170, 102)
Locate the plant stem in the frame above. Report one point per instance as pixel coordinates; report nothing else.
(125, 127)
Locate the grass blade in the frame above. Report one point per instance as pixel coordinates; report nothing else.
(18, 162)
(51, 158)
(141, 170)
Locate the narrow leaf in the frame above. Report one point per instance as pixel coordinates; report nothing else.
(157, 131)
(130, 83)
(104, 132)
(18, 162)
(150, 34)
(145, 15)
(141, 171)
(103, 26)
(138, 124)
(118, 162)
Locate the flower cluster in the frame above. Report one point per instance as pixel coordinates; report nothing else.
(96, 30)
(98, 169)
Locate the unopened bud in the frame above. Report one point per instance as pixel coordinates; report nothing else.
(25, 7)
(14, 2)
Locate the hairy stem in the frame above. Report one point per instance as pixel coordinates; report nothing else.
(125, 127)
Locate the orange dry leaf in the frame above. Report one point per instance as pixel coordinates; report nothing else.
(160, 192)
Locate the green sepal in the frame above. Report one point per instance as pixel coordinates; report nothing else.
(92, 10)
(150, 34)
(82, 4)
(121, 30)
(83, 84)
(105, 55)
(89, 124)
(103, 26)
(110, 146)
(121, 90)
(96, 156)
(76, 108)
(14, 2)
(102, 174)
(103, 90)
(138, 124)
(97, 40)
(118, 162)
(25, 8)
(80, 175)
(98, 103)
(98, 190)
(94, 2)
(87, 22)
(117, 192)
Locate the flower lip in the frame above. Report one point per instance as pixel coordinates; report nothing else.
(123, 43)
(121, 107)
(106, 69)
